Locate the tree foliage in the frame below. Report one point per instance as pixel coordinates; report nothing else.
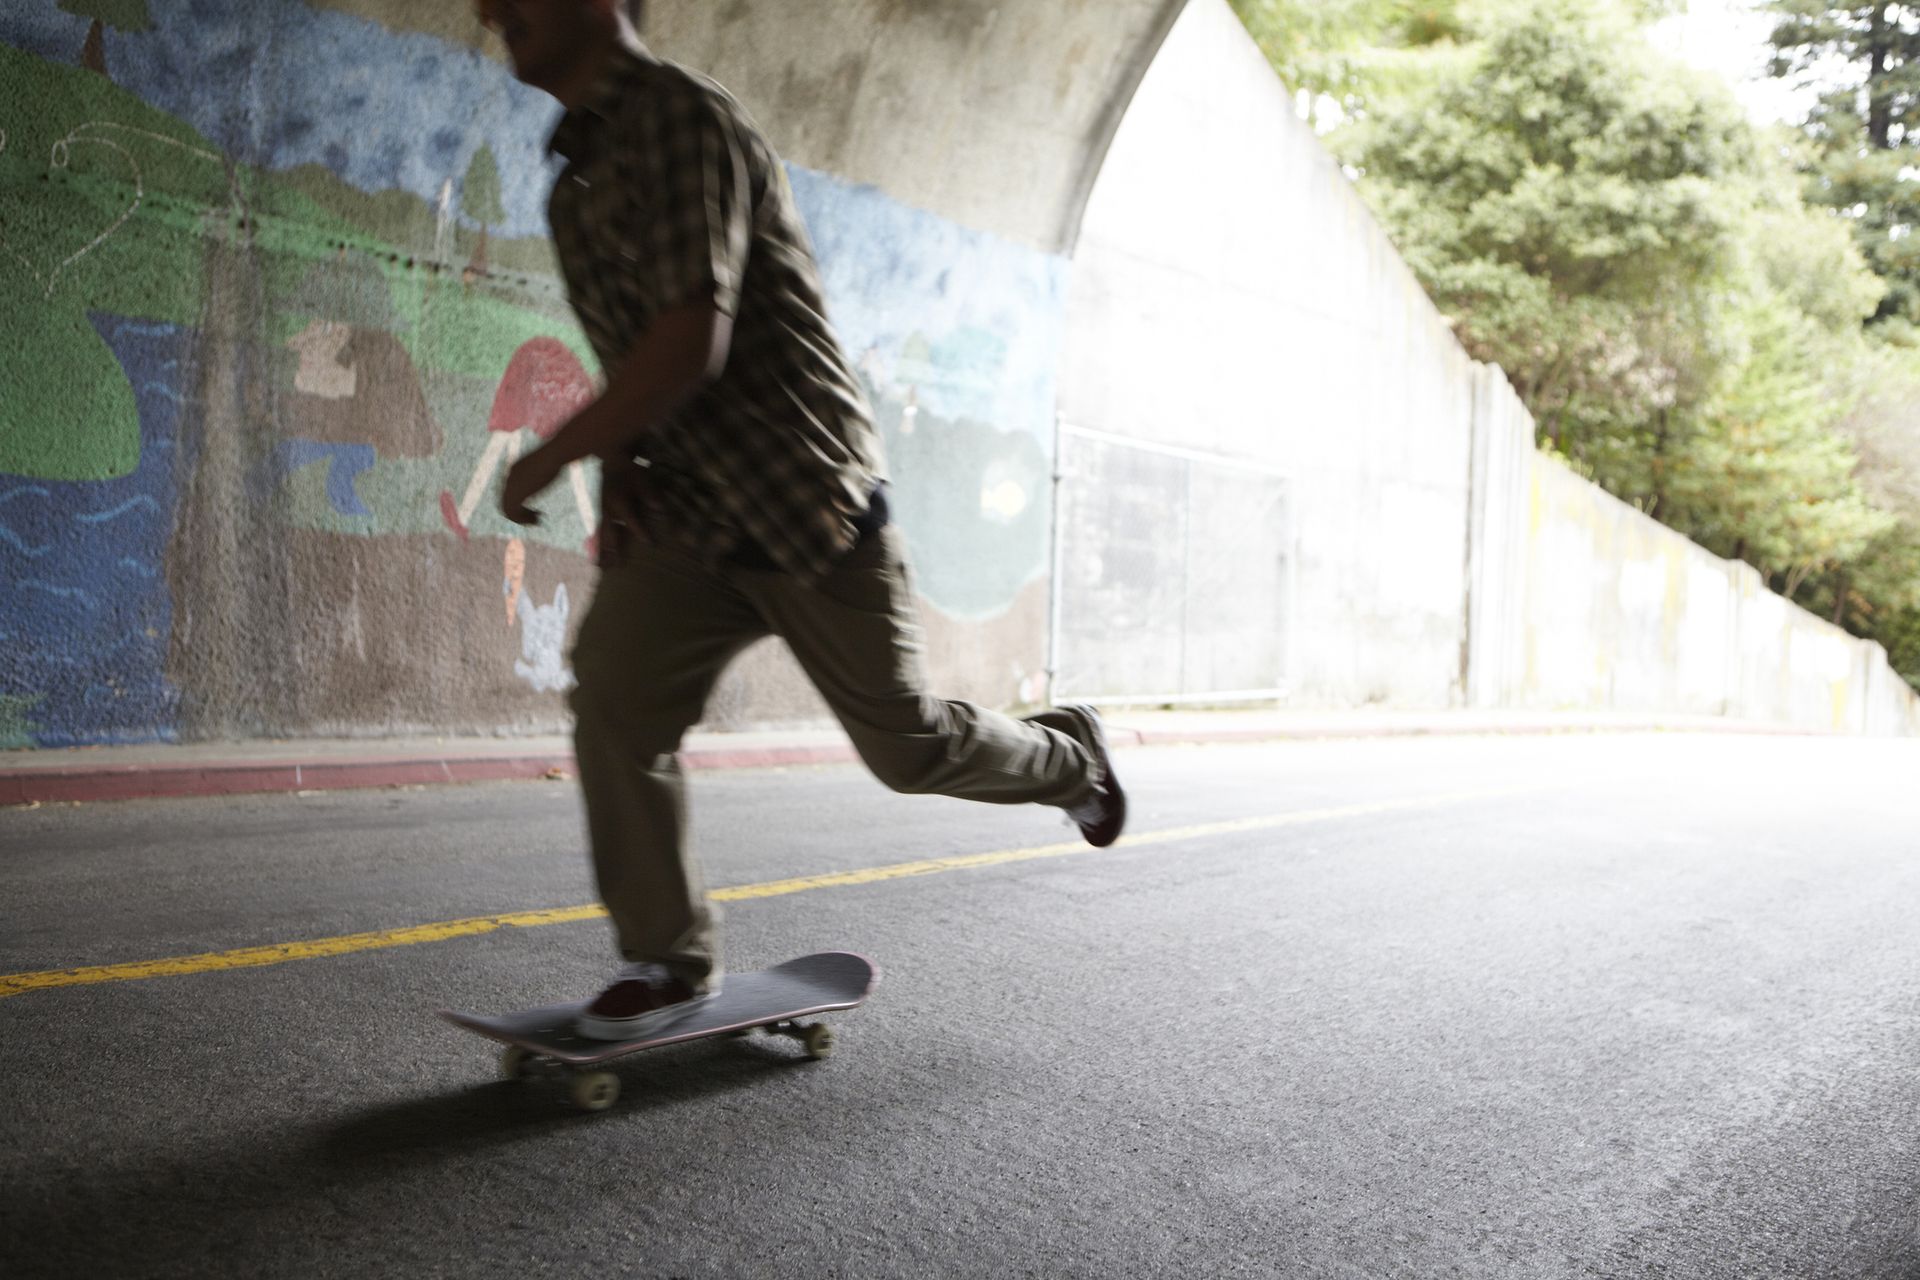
(1860, 137)
(1864, 127)
(1575, 205)
(1343, 54)
(1766, 478)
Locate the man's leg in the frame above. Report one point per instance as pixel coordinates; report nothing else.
(857, 637)
(660, 631)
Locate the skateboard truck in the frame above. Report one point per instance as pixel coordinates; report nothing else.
(598, 1090)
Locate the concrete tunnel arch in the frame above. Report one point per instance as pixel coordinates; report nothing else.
(995, 115)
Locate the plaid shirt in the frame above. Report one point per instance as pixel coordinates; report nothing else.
(671, 196)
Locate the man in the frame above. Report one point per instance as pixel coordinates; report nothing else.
(742, 496)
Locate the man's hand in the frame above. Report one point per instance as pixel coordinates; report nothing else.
(680, 352)
(525, 479)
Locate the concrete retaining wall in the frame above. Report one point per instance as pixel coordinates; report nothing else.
(1580, 601)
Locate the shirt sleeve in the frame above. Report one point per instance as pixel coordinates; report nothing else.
(700, 207)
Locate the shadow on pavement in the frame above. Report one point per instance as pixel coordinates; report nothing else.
(387, 1188)
(491, 1114)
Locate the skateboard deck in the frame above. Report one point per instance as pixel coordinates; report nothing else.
(543, 1039)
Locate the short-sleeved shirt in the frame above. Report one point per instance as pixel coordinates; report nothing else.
(671, 196)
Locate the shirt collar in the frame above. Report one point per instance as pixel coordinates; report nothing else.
(574, 135)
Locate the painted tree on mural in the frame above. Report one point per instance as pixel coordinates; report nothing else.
(121, 15)
(480, 200)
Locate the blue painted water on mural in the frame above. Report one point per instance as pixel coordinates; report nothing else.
(302, 86)
(83, 637)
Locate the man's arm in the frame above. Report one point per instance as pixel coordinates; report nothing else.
(683, 350)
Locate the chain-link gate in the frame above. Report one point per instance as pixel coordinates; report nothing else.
(1172, 576)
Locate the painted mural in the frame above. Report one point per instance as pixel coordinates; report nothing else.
(279, 312)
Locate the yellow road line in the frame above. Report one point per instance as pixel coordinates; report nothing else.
(13, 984)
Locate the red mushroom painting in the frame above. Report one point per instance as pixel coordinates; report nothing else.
(544, 385)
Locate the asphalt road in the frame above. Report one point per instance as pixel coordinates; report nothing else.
(1532, 1007)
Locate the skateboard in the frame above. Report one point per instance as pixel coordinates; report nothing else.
(542, 1041)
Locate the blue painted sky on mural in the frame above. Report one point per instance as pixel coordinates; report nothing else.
(992, 312)
(313, 86)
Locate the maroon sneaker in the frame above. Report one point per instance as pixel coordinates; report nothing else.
(644, 999)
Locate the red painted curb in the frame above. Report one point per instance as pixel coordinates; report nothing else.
(141, 782)
(766, 757)
(232, 778)
(239, 777)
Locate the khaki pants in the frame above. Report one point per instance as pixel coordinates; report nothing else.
(660, 631)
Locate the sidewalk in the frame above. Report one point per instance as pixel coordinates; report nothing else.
(235, 768)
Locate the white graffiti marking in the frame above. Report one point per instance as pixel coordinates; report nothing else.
(61, 157)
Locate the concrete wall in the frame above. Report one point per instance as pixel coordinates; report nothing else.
(1231, 294)
(280, 307)
(1583, 602)
(1232, 297)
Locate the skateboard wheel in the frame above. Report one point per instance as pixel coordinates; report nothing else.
(595, 1090)
(818, 1039)
(513, 1063)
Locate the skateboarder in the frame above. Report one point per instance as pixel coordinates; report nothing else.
(743, 494)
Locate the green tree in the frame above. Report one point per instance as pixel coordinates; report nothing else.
(1573, 203)
(1346, 53)
(1861, 135)
(1865, 126)
(1878, 594)
(1766, 478)
(121, 15)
